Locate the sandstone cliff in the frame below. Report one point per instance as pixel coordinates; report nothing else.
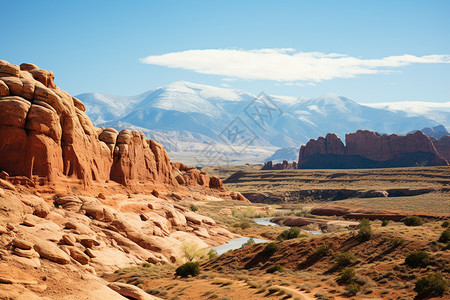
(367, 149)
(443, 146)
(46, 136)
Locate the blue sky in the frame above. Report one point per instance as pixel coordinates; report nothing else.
(98, 46)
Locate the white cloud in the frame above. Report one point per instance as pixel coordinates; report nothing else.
(286, 65)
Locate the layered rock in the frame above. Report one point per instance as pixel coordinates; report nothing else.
(46, 135)
(368, 149)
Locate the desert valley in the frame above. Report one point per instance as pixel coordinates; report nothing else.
(224, 150)
(92, 213)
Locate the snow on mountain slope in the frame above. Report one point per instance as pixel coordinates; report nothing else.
(186, 117)
(437, 111)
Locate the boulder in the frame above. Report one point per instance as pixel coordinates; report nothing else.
(79, 255)
(130, 291)
(22, 244)
(51, 252)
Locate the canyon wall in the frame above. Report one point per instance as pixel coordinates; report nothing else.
(368, 149)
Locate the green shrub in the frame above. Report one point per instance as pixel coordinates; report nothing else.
(431, 285)
(384, 223)
(352, 289)
(147, 265)
(322, 250)
(347, 275)
(445, 236)
(417, 259)
(190, 268)
(249, 242)
(363, 222)
(364, 233)
(194, 207)
(212, 254)
(345, 259)
(413, 221)
(270, 249)
(445, 224)
(397, 241)
(289, 234)
(275, 268)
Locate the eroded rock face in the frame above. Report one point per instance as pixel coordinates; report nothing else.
(45, 133)
(368, 149)
(443, 146)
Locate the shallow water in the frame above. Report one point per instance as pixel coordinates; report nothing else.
(235, 244)
(265, 222)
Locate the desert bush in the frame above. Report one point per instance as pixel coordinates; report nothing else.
(275, 268)
(194, 207)
(289, 234)
(396, 241)
(346, 275)
(270, 249)
(352, 289)
(147, 265)
(445, 236)
(156, 292)
(363, 222)
(248, 212)
(413, 221)
(445, 224)
(191, 268)
(431, 285)
(212, 254)
(417, 259)
(364, 233)
(322, 250)
(249, 242)
(345, 259)
(384, 223)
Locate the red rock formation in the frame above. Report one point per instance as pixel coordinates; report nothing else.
(443, 146)
(285, 165)
(370, 149)
(45, 134)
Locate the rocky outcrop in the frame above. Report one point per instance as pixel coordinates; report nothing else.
(443, 146)
(285, 165)
(368, 149)
(46, 136)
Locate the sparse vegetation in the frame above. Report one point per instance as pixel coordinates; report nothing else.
(322, 250)
(352, 289)
(417, 259)
(289, 234)
(445, 236)
(191, 268)
(431, 285)
(212, 254)
(396, 241)
(249, 242)
(445, 224)
(275, 268)
(385, 223)
(413, 221)
(345, 259)
(192, 251)
(194, 207)
(346, 275)
(270, 249)
(365, 230)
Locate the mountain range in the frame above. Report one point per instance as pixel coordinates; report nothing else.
(210, 125)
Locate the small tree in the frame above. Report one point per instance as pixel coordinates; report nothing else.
(270, 249)
(413, 221)
(192, 251)
(431, 285)
(417, 259)
(345, 259)
(191, 268)
(445, 236)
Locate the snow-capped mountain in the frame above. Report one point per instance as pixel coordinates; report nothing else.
(187, 118)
